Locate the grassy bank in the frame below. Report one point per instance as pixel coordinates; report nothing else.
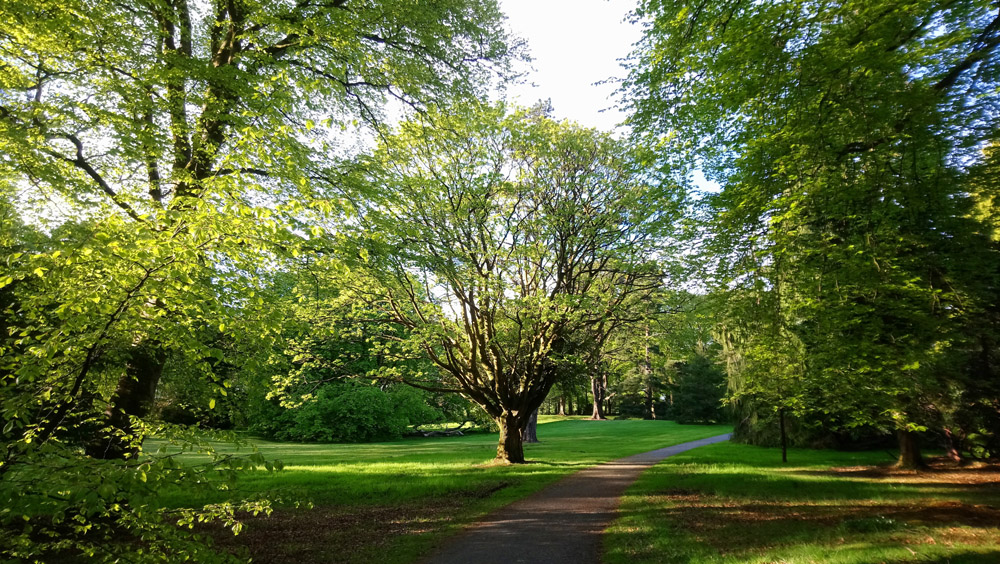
(389, 502)
(729, 503)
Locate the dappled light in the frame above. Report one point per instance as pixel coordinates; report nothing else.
(313, 281)
(733, 502)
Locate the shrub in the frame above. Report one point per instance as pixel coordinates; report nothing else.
(348, 412)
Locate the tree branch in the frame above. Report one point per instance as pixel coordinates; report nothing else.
(81, 163)
(985, 44)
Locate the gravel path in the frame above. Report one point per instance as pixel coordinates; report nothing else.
(561, 524)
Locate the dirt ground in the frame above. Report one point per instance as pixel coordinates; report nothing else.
(938, 470)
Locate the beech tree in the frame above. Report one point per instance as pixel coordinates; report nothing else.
(493, 237)
(838, 131)
(189, 144)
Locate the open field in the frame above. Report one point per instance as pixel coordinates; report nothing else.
(389, 502)
(730, 503)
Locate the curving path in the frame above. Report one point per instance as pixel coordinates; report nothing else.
(559, 524)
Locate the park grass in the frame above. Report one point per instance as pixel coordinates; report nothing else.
(730, 503)
(391, 502)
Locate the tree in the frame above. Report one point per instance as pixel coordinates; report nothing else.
(632, 366)
(698, 392)
(970, 406)
(192, 143)
(210, 117)
(590, 351)
(838, 130)
(764, 361)
(328, 383)
(493, 237)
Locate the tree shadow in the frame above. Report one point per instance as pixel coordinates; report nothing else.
(797, 515)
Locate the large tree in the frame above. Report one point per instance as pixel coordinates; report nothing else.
(191, 128)
(182, 145)
(495, 237)
(837, 130)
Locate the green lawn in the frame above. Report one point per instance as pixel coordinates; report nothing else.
(395, 499)
(730, 503)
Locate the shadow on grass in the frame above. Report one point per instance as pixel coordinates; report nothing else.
(991, 557)
(795, 485)
(721, 512)
(686, 526)
(558, 464)
(340, 535)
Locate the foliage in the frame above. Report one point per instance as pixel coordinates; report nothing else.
(969, 407)
(839, 132)
(174, 153)
(491, 236)
(644, 356)
(698, 390)
(349, 412)
(180, 396)
(639, 360)
(82, 506)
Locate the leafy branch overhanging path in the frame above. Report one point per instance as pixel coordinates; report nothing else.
(562, 523)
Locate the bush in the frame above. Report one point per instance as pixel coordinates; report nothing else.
(348, 412)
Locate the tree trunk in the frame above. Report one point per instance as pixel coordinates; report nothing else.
(647, 373)
(133, 397)
(909, 451)
(950, 450)
(510, 449)
(605, 396)
(562, 405)
(597, 388)
(530, 434)
(784, 435)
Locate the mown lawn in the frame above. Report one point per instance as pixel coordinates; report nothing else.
(390, 502)
(731, 503)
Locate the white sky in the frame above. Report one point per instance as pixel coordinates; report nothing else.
(574, 43)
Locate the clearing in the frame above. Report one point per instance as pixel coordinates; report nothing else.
(393, 502)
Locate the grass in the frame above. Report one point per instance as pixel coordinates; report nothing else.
(390, 502)
(730, 503)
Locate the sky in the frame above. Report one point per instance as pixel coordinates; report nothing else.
(575, 44)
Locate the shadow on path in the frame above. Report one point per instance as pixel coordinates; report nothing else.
(559, 524)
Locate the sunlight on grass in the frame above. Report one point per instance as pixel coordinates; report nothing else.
(413, 469)
(429, 486)
(703, 507)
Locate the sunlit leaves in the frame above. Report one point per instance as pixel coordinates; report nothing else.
(166, 173)
(493, 234)
(839, 131)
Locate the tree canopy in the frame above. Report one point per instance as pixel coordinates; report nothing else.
(174, 152)
(314, 220)
(493, 235)
(839, 132)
